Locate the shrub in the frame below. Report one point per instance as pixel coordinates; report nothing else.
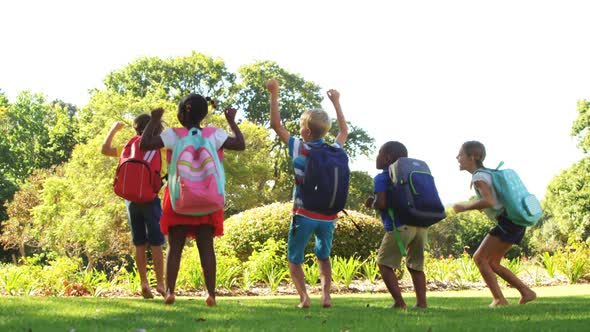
(244, 230)
(573, 261)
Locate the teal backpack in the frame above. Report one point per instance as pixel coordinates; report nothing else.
(522, 207)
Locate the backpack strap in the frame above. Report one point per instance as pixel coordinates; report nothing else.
(358, 228)
(206, 132)
(396, 235)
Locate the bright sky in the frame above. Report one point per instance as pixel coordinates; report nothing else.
(431, 74)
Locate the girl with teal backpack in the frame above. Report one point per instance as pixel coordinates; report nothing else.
(195, 176)
(506, 233)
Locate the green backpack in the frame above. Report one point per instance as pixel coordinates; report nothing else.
(522, 207)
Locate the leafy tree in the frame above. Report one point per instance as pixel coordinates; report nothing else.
(297, 95)
(79, 215)
(174, 77)
(38, 135)
(581, 125)
(566, 205)
(361, 187)
(17, 232)
(249, 172)
(7, 186)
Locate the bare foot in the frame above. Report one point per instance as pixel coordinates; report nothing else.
(305, 302)
(169, 298)
(498, 303)
(210, 301)
(527, 296)
(420, 306)
(401, 306)
(146, 292)
(326, 301)
(161, 290)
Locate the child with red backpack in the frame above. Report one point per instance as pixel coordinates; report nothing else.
(177, 220)
(321, 188)
(142, 202)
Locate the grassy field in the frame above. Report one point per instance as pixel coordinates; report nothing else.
(560, 308)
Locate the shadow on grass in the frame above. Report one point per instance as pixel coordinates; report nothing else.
(353, 313)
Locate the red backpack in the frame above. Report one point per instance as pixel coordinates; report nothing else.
(138, 178)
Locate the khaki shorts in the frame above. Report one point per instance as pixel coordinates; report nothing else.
(414, 239)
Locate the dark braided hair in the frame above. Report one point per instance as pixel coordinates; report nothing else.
(192, 109)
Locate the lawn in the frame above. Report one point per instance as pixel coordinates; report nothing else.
(559, 308)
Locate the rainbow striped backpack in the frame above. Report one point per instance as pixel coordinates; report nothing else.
(196, 179)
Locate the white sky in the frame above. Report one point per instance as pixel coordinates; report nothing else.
(431, 74)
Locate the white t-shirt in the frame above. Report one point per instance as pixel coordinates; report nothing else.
(170, 138)
(487, 178)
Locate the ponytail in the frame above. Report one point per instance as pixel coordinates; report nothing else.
(475, 150)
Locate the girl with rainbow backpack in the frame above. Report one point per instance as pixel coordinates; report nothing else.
(195, 164)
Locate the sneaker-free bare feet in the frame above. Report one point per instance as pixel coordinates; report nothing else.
(400, 306)
(210, 301)
(527, 296)
(169, 298)
(326, 301)
(305, 303)
(498, 303)
(161, 290)
(146, 292)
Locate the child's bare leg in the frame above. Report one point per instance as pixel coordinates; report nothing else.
(141, 261)
(390, 280)
(176, 240)
(482, 257)
(526, 294)
(419, 281)
(298, 278)
(326, 281)
(208, 260)
(158, 257)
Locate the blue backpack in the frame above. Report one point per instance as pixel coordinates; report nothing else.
(325, 184)
(415, 197)
(522, 207)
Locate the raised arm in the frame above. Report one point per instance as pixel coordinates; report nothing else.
(487, 199)
(150, 138)
(272, 86)
(334, 96)
(234, 143)
(107, 145)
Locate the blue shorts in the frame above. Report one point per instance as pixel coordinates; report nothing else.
(299, 233)
(144, 221)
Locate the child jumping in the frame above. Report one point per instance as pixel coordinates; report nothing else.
(144, 219)
(501, 238)
(314, 125)
(413, 238)
(192, 109)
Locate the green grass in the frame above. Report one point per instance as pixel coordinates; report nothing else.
(560, 308)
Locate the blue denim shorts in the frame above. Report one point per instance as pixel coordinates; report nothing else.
(299, 233)
(144, 221)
